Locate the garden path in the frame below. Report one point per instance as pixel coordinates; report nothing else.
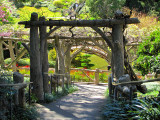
(84, 104)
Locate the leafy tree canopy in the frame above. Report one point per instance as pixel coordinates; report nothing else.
(104, 8)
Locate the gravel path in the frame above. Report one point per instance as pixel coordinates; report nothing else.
(84, 104)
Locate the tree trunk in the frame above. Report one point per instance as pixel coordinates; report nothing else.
(118, 51)
(67, 59)
(60, 55)
(44, 56)
(35, 67)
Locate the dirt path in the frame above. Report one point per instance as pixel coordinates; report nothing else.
(84, 104)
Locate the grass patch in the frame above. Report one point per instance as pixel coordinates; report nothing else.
(153, 89)
(98, 62)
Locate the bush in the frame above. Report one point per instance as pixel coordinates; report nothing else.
(24, 62)
(21, 62)
(58, 3)
(149, 54)
(52, 55)
(8, 61)
(147, 109)
(49, 97)
(26, 113)
(52, 64)
(115, 110)
(25, 13)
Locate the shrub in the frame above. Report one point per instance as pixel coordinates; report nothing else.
(147, 109)
(58, 3)
(26, 113)
(149, 54)
(8, 61)
(52, 64)
(52, 55)
(21, 62)
(25, 13)
(103, 77)
(115, 110)
(24, 62)
(49, 97)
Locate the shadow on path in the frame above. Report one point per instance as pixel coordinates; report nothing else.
(84, 104)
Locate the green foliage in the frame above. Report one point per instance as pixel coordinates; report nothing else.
(147, 6)
(76, 62)
(115, 110)
(26, 113)
(58, 3)
(49, 97)
(61, 93)
(104, 8)
(149, 54)
(52, 55)
(25, 13)
(21, 62)
(6, 93)
(5, 14)
(103, 77)
(24, 62)
(152, 89)
(148, 109)
(82, 60)
(98, 62)
(52, 64)
(63, 3)
(143, 109)
(85, 61)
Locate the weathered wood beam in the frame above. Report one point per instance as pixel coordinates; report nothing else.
(13, 39)
(86, 38)
(79, 38)
(81, 23)
(136, 82)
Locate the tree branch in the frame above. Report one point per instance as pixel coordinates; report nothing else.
(77, 52)
(52, 30)
(103, 36)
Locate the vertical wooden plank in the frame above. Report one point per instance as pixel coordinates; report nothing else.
(35, 67)
(118, 51)
(44, 55)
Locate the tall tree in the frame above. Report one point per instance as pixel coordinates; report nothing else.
(104, 8)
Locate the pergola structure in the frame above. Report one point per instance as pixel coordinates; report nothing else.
(38, 44)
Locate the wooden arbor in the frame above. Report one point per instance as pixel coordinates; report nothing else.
(38, 50)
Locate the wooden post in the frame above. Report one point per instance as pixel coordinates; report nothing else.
(35, 67)
(96, 80)
(118, 51)
(10, 47)
(20, 96)
(1, 55)
(44, 55)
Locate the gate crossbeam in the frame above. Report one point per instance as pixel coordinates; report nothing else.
(81, 23)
